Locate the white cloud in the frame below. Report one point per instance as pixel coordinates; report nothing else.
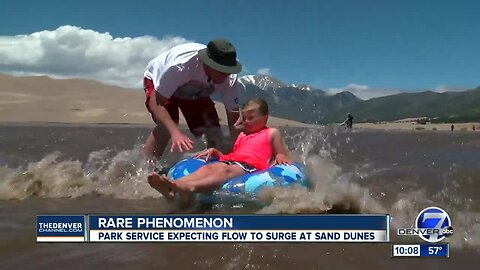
(263, 71)
(71, 51)
(362, 91)
(443, 89)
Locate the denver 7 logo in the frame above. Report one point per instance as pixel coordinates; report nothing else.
(437, 219)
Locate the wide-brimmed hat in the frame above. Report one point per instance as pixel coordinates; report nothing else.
(221, 55)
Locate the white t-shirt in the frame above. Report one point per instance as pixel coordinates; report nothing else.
(180, 73)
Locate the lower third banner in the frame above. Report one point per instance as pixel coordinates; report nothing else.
(240, 228)
(213, 228)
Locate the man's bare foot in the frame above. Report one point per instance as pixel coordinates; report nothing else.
(163, 185)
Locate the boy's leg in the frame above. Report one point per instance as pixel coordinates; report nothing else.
(206, 179)
(209, 179)
(162, 184)
(158, 182)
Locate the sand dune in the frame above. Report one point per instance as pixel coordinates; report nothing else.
(43, 99)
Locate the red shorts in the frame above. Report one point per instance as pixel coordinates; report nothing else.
(199, 113)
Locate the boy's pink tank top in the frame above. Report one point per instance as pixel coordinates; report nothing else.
(253, 149)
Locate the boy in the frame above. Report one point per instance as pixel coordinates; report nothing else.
(253, 150)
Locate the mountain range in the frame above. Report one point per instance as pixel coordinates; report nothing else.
(306, 104)
(78, 101)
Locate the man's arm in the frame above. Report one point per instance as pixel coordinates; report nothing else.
(166, 82)
(280, 153)
(156, 104)
(165, 85)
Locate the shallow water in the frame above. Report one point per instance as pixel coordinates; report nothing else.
(99, 169)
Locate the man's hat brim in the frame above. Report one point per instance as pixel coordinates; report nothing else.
(202, 54)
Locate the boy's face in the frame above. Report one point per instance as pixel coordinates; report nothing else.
(252, 119)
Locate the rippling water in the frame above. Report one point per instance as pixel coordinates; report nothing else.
(99, 169)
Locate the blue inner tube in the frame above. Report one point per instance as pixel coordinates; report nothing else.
(248, 184)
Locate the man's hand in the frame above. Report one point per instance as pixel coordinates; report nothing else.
(207, 153)
(282, 159)
(181, 141)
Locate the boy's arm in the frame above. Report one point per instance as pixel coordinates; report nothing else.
(217, 153)
(229, 92)
(207, 153)
(280, 153)
(233, 118)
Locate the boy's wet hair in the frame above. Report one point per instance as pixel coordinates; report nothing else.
(262, 105)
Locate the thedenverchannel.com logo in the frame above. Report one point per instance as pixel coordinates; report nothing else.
(432, 225)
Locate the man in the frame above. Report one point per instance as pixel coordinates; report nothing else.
(184, 78)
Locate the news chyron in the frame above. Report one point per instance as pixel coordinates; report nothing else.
(433, 224)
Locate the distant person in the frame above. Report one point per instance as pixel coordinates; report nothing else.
(452, 127)
(473, 127)
(348, 123)
(183, 78)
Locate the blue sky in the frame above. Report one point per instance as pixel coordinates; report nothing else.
(378, 44)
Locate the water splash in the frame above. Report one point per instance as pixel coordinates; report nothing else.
(120, 175)
(334, 189)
